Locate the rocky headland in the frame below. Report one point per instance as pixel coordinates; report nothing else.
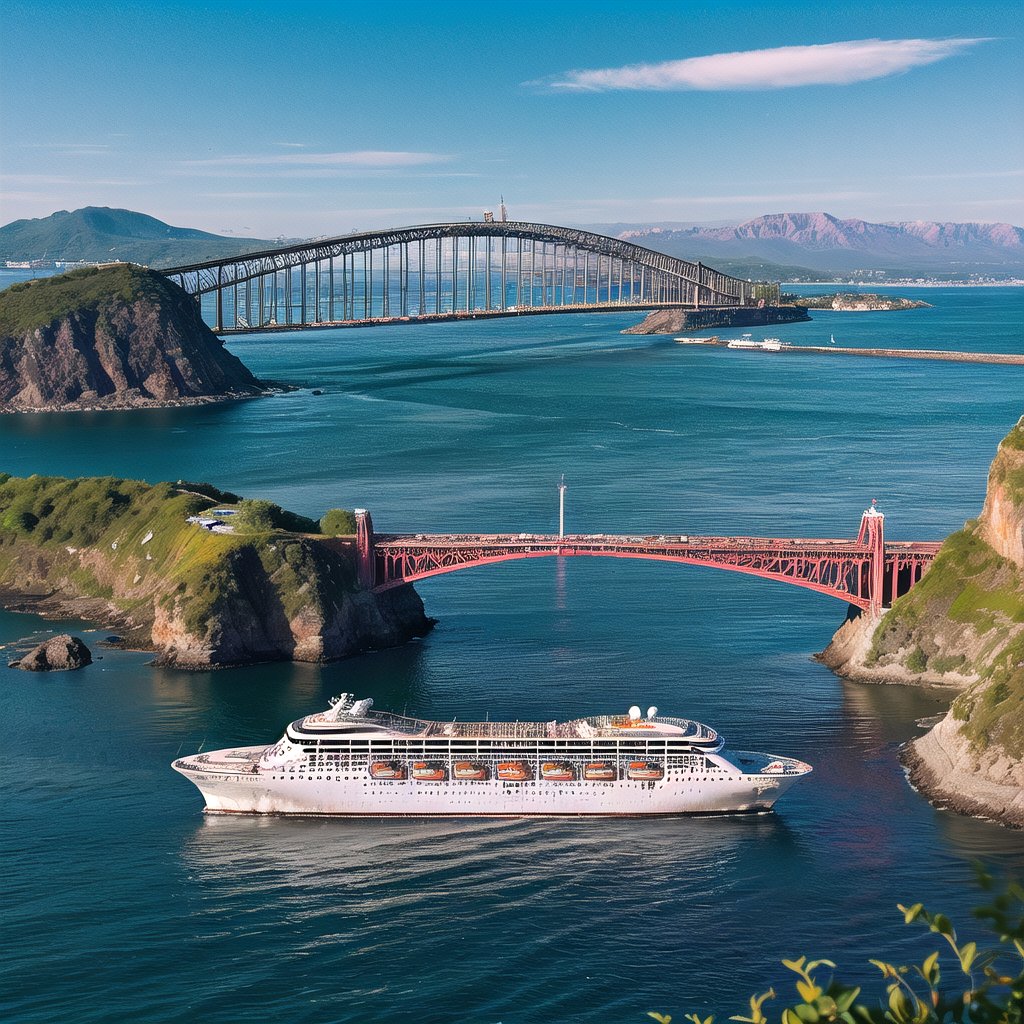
(121, 553)
(117, 337)
(962, 626)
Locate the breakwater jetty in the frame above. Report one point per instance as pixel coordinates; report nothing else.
(940, 355)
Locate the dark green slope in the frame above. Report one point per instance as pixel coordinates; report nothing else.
(99, 233)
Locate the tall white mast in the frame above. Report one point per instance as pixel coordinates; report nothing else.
(561, 506)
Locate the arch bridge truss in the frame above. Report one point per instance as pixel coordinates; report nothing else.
(447, 271)
(867, 572)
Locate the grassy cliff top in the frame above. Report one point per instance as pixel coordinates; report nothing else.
(129, 543)
(31, 304)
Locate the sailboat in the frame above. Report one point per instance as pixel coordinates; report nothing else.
(832, 339)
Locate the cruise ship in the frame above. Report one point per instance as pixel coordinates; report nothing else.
(352, 761)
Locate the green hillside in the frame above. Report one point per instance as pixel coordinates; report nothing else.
(97, 234)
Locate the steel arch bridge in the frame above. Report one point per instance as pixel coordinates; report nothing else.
(867, 571)
(447, 271)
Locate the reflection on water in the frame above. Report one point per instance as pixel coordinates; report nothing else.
(518, 909)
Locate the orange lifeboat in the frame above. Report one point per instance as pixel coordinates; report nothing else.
(425, 771)
(513, 771)
(600, 771)
(469, 770)
(557, 771)
(644, 771)
(386, 770)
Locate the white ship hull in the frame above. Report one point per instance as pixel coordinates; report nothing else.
(358, 795)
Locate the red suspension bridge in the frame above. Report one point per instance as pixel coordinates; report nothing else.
(866, 571)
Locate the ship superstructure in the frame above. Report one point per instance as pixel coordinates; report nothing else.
(353, 761)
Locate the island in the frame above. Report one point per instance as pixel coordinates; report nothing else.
(115, 337)
(250, 583)
(672, 321)
(962, 626)
(855, 302)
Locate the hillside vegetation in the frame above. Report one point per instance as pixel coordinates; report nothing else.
(963, 626)
(98, 234)
(122, 552)
(30, 304)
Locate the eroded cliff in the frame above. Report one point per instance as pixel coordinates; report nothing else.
(962, 626)
(121, 552)
(112, 337)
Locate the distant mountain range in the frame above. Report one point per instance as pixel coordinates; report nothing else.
(826, 243)
(777, 247)
(97, 234)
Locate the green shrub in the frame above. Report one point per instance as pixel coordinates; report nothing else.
(337, 521)
(256, 515)
(983, 986)
(20, 520)
(917, 661)
(943, 663)
(962, 707)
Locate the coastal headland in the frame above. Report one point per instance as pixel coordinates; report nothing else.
(123, 553)
(962, 626)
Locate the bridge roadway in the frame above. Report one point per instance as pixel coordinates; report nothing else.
(447, 271)
(867, 572)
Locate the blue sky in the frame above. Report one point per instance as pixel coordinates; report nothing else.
(308, 118)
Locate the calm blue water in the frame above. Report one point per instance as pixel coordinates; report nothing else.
(123, 903)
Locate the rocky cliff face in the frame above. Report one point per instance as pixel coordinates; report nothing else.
(294, 601)
(121, 337)
(962, 626)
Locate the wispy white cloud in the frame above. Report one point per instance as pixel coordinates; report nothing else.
(59, 179)
(369, 158)
(965, 175)
(781, 68)
(250, 195)
(290, 145)
(70, 148)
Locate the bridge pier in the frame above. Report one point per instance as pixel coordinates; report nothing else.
(365, 554)
(872, 535)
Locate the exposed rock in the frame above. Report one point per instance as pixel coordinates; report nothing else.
(962, 626)
(1002, 518)
(944, 766)
(60, 653)
(117, 337)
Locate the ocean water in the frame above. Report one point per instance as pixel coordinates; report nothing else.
(123, 902)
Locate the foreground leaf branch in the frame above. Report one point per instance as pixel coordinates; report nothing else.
(979, 986)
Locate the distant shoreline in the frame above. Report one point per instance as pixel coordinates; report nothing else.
(1016, 283)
